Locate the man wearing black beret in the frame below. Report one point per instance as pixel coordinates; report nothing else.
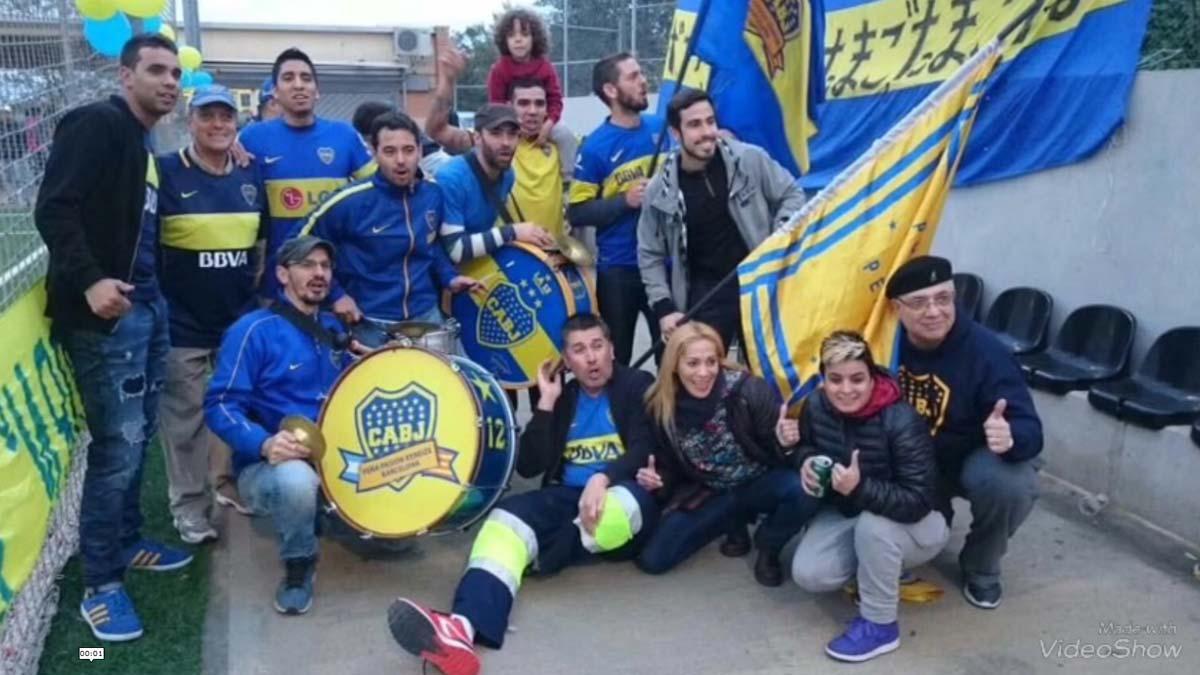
(986, 432)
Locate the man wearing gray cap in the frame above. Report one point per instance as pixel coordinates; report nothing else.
(986, 431)
(213, 222)
(275, 362)
(478, 217)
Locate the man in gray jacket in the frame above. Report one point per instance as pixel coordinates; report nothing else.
(713, 202)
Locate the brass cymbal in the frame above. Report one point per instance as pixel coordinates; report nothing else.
(572, 249)
(307, 433)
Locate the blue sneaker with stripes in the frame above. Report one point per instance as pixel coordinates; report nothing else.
(110, 615)
(155, 557)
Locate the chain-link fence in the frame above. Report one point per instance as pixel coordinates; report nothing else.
(46, 68)
(1173, 36)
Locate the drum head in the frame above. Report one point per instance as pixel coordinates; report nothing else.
(516, 322)
(402, 441)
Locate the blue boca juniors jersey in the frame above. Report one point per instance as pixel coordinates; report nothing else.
(609, 162)
(210, 225)
(301, 166)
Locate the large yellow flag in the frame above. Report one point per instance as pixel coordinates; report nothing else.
(827, 269)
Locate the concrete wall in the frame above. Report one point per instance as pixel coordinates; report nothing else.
(1121, 228)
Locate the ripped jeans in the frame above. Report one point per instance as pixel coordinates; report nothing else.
(119, 377)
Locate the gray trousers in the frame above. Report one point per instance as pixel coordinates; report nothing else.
(196, 459)
(1002, 495)
(835, 549)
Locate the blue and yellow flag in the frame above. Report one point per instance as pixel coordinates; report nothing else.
(765, 80)
(827, 269)
(1063, 88)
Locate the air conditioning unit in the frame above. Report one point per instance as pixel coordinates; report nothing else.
(409, 44)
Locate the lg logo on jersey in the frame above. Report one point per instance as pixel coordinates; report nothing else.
(223, 259)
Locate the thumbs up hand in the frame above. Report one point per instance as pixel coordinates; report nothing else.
(844, 479)
(648, 477)
(997, 430)
(787, 431)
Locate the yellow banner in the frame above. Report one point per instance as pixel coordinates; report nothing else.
(40, 423)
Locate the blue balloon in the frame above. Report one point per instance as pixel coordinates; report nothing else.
(108, 36)
(202, 78)
(188, 81)
(151, 25)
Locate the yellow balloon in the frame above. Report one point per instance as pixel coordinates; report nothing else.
(189, 57)
(100, 10)
(142, 8)
(167, 32)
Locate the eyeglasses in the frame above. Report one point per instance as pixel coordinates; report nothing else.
(310, 265)
(941, 301)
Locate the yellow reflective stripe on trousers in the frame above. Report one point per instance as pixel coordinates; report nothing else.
(620, 520)
(504, 547)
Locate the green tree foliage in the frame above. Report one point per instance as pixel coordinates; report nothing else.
(1173, 36)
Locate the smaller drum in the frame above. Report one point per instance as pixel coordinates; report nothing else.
(416, 442)
(439, 337)
(515, 323)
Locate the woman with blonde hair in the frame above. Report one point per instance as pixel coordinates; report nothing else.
(723, 458)
(879, 512)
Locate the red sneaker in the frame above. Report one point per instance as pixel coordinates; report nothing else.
(438, 638)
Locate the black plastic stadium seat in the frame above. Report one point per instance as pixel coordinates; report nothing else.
(1019, 317)
(1092, 346)
(969, 289)
(1166, 388)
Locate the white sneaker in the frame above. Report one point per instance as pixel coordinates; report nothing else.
(195, 530)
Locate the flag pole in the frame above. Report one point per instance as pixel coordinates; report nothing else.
(689, 53)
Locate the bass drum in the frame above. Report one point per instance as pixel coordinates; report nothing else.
(515, 323)
(416, 442)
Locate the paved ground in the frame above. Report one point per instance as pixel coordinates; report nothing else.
(1066, 576)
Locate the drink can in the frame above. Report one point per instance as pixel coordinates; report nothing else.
(822, 466)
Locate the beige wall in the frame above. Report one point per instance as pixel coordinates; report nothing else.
(324, 47)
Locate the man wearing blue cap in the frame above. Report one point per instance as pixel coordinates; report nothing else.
(213, 223)
(268, 105)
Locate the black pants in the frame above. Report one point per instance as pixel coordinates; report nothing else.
(723, 311)
(621, 297)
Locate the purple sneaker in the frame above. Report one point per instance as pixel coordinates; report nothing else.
(864, 640)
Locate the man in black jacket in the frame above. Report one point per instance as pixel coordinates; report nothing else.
(588, 438)
(986, 431)
(97, 212)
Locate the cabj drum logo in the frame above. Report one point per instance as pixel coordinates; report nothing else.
(505, 318)
(395, 433)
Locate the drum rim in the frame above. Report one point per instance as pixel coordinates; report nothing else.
(479, 441)
(568, 298)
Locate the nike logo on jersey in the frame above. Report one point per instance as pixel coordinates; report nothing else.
(188, 195)
(617, 157)
(294, 366)
(377, 230)
(272, 160)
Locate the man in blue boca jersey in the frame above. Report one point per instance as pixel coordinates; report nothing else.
(304, 158)
(213, 221)
(275, 362)
(474, 183)
(390, 265)
(986, 432)
(611, 173)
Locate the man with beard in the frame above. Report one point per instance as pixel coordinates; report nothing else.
(587, 438)
(986, 432)
(213, 222)
(97, 211)
(476, 186)
(714, 201)
(304, 158)
(391, 267)
(610, 180)
(276, 362)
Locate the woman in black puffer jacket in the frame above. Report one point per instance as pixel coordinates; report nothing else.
(879, 515)
(719, 462)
